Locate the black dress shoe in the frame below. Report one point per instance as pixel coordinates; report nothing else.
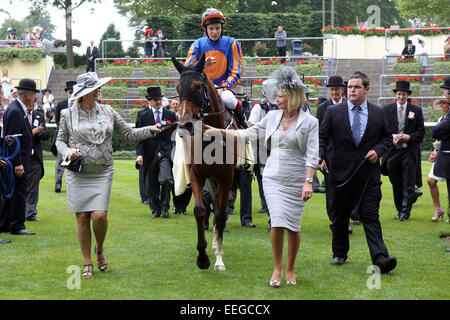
(57, 188)
(33, 218)
(398, 216)
(183, 212)
(156, 214)
(338, 261)
(356, 222)
(165, 214)
(4, 241)
(416, 194)
(23, 233)
(387, 264)
(206, 227)
(403, 217)
(248, 225)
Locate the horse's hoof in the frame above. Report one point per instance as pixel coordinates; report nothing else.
(219, 267)
(203, 263)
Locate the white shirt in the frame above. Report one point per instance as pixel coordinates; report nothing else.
(334, 102)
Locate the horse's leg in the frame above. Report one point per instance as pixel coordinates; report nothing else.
(222, 196)
(199, 213)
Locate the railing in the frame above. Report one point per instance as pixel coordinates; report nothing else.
(395, 56)
(383, 76)
(387, 31)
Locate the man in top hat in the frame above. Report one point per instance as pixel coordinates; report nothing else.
(160, 43)
(409, 50)
(336, 88)
(402, 161)
(64, 104)
(17, 119)
(155, 154)
(441, 131)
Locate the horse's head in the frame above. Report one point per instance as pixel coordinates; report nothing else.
(193, 92)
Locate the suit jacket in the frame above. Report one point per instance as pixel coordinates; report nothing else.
(15, 121)
(160, 43)
(306, 130)
(441, 131)
(37, 120)
(92, 54)
(162, 142)
(409, 51)
(321, 112)
(59, 107)
(346, 155)
(414, 127)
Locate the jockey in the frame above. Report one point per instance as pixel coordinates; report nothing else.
(223, 63)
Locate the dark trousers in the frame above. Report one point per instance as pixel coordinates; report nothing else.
(182, 201)
(258, 175)
(143, 187)
(160, 183)
(402, 174)
(34, 178)
(330, 194)
(282, 53)
(12, 218)
(345, 200)
(90, 66)
(59, 172)
(243, 182)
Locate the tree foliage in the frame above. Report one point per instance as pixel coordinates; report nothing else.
(429, 11)
(114, 48)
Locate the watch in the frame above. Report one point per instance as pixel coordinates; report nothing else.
(310, 180)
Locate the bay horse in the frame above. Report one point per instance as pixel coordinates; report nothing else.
(200, 104)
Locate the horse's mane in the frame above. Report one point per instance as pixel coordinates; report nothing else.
(216, 103)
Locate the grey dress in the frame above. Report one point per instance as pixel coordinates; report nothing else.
(90, 189)
(291, 152)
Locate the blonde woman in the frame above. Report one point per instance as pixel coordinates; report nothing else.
(85, 132)
(292, 135)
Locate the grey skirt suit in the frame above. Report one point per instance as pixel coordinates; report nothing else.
(90, 189)
(291, 151)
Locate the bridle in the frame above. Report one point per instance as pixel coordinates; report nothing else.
(204, 101)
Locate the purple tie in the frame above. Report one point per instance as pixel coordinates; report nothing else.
(157, 119)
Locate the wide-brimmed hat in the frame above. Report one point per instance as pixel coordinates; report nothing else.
(446, 84)
(37, 28)
(86, 83)
(69, 85)
(153, 93)
(27, 84)
(402, 85)
(149, 30)
(437, 103)
(335, 81)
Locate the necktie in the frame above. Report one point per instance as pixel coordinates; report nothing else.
(356, 126)
(157, 118)
(29, 117)
(400, 111)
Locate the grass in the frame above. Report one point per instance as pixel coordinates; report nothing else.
(155, 258)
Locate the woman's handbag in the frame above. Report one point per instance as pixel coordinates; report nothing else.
(75, 165)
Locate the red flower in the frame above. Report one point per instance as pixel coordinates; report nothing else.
(169, 122)
(120, 104)
(110, 101)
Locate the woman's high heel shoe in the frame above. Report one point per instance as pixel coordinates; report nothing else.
(276, 283)
(101, 261)
(438, 214)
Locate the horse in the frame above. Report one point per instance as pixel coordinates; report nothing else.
(200, 104)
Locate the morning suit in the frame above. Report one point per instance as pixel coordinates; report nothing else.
(329, 187)
(362, 194)
(402, 163)
(37, 164)
(157, 157)
(15, 121)
(90, 65)
(441, 131)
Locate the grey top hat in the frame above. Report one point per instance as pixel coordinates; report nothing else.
(86, 83)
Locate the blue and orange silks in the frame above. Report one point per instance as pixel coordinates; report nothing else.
(228, 67)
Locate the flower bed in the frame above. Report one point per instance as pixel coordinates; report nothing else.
(369, 32)
(144, 84)
(118, 71)
(407, 66)
(442, 66)
(26, 55)
(435, 86)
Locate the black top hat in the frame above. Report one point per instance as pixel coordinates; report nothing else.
(402, 86)
(27, 84)
(335, 81)
(153, 93)
(446, 84)
(409, 42)
(69, 85)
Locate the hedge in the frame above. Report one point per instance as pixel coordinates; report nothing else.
(442, 67)
(25, 55)
(402, 67)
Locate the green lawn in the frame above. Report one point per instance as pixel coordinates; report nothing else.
(155, 258)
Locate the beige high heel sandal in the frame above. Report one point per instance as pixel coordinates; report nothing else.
(438, 214)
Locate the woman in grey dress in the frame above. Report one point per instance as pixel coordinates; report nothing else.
(86, 131)
(292, 135)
